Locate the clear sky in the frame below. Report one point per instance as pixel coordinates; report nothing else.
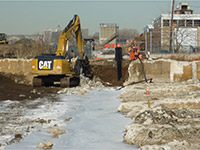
(28, 17)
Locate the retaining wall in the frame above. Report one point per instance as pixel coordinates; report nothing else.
(160, 70)
(17, 66)
(164, 70)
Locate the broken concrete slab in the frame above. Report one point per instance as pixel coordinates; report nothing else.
(164, 70)
(174, 114)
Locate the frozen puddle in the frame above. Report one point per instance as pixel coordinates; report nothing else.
(95, 124)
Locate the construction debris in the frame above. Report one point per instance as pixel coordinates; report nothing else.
(68, 118)
(172, 121)
(48, 145)
(56, 130)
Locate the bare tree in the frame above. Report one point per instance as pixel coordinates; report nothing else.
(184, 38)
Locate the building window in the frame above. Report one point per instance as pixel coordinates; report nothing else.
(197, 23)
(175, 23)
(181, 23)
(165, 23)
(189, 23)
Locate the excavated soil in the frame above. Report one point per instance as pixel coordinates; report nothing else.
(14, 87)
(107, 72)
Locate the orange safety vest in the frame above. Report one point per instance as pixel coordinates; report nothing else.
(132, 55)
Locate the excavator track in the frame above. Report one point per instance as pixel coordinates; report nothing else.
(69, 82)
(65, 82)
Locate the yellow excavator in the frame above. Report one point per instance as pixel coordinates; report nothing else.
(50, 68)
(3, 38)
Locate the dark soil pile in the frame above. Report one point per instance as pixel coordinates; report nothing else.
(107, 72)
(13, 87)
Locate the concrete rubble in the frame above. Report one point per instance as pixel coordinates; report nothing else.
(48, 145)
(56, 131)
(171, 122)
(85, 85)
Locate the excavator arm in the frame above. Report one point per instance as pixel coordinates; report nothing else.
(73, 28)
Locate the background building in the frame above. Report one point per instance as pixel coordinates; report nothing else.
(85, 33)
(185, 31)
(47, 35)
(108, 33)
(55, 35)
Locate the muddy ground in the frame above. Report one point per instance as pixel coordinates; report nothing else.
(106, 71)
(14, 87)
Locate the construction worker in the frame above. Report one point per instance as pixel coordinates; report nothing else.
(132, 55)
(135, 53)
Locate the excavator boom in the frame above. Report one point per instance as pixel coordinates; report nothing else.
(73, 28)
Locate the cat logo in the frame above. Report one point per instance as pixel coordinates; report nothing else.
(45, 65)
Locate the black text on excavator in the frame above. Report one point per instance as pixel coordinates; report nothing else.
(50, 68)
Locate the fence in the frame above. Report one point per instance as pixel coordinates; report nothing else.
(184, 40)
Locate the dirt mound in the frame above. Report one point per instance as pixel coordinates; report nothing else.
(24, 48)
(106, 71)
(24, 41)
(14, 87)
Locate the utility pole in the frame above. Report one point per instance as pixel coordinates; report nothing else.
(171, 29)
(150, 41)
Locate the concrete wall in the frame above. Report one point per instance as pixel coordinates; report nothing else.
(106, 31)
(162, 70)
(16, 66)
(198, 37)
(165, 71)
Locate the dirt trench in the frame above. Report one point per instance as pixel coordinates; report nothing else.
(107, 72)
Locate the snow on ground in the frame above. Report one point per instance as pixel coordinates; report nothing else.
(95, 123)
(76, 118)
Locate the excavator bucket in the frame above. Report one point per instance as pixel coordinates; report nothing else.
(87, 71)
